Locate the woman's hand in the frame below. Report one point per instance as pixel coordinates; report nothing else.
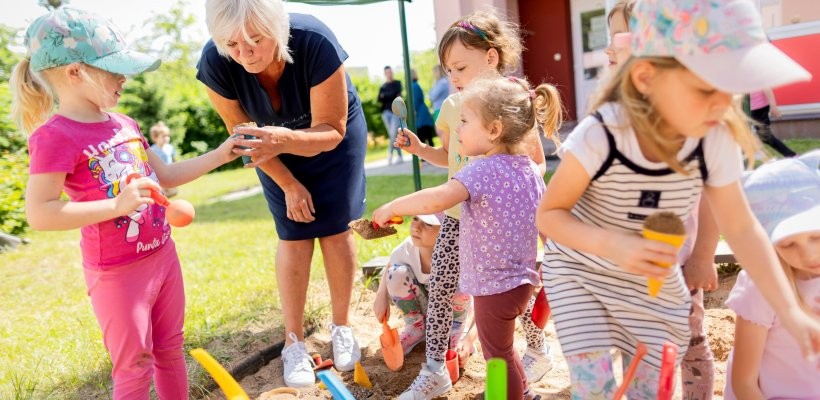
(407, 141)
(270, 142)
(641, 256)
(134, 195)
(382, 215)
(299, 203)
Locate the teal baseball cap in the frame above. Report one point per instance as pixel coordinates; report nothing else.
(68, 35)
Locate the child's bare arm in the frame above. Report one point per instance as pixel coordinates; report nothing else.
(180, 173)
(750, 340)
(409, 142)
(427, 201)
(700, 272)
(46, 211)
(629, 251)
(381, 305)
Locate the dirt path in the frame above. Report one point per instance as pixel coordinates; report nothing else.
(388, 384)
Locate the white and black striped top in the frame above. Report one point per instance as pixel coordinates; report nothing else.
(597, 305)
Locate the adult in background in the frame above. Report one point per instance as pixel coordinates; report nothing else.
(424, 121)
(389, 90)
(439, 91)
(285, 73)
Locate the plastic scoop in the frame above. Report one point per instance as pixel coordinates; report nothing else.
(225, 381)
(496, 379)
(179, 213)
(640, 351)
(400, 110)
(371, 230)
(664, 227)
(541, 309)
(392, 351)
(337, 389)
(666, 386)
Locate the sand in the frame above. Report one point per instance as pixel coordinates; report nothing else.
(388, 384)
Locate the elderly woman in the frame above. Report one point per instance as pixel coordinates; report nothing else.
(285, 73)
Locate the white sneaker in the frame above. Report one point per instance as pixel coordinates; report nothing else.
(346, 351)
(537, 363)
(298, 364)
(428, 385)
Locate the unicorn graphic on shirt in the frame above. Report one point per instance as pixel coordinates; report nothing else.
(111, 168)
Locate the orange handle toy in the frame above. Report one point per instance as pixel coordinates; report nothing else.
(630, 373)
(393, 221)
(179, 213)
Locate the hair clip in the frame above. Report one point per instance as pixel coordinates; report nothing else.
(471, 27)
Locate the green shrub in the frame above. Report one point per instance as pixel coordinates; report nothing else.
(369, 95)
(13, 176)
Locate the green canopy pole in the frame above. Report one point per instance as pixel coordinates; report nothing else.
(408, 82)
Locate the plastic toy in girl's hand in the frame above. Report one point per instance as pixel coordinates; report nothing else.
(179, 213)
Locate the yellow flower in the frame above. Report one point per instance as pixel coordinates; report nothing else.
(702, 26)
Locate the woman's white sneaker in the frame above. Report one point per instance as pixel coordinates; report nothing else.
(346, 351)
(298, 364)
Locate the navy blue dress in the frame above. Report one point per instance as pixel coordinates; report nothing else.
(335, 179)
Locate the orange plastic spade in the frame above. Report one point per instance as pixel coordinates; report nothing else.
(392, 221)
(391, 347)
(630, 373)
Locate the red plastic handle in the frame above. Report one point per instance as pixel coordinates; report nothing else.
(666, 386)
(392, 221)
(158, 197)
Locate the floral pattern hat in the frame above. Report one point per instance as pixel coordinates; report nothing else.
(69, 35)
(720, 41)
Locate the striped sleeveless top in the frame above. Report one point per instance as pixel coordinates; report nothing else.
(596, 305)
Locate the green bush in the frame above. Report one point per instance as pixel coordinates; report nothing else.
(13, 176)
(369, 94)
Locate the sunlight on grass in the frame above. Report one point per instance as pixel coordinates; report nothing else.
(50, 344)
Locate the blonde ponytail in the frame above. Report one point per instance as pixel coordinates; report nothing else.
(32, 100)
(548, 111)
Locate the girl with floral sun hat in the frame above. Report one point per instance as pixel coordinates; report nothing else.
(78, 62)
(671, 130)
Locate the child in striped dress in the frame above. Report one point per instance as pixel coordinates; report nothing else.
(664, 129)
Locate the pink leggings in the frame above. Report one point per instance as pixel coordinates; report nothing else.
(140, 308)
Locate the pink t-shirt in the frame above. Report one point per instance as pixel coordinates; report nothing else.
(784, 373)
(757, 100)
(97, 157)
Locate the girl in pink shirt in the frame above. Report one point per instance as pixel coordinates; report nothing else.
(130, 263)
(766, 361)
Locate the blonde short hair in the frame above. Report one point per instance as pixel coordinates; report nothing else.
(268, 17)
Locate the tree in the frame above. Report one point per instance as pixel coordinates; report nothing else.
(10, 139)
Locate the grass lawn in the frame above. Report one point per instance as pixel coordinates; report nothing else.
(50, 344)
(800, 146)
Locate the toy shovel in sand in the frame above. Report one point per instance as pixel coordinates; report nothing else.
(371, 230)
(640, 351)
(391, 347)
(666, 387)
(496, 386)
(224, 379)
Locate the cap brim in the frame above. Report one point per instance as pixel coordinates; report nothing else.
(806, 221)
(429, 219)
(760, 67)
(127, 62)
